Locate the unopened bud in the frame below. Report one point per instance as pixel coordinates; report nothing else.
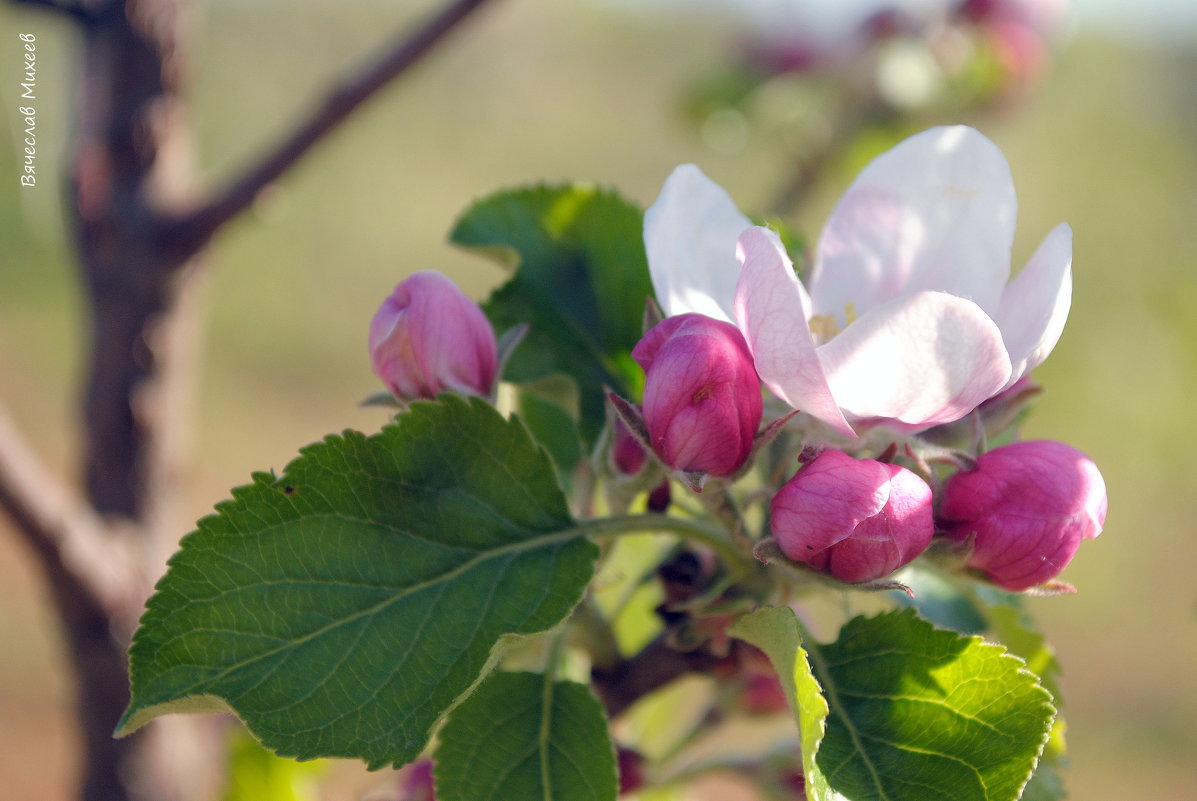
(417, 782)
(762, 692)
(627, 454)
(1026, 507)
(428, 337)
(631, 770)
(702, 397)
(856, 519)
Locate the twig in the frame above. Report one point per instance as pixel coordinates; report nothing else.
(80, 11)
(658, 664)
(190, 232)
(69, 539)
(790, 198)
(97, 592)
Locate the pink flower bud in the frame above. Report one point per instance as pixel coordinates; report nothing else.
(631, 770)
(762, 693)
(1027, 507)
(417, 782)
(702, 397)
(428, 337)
(627, 454)
(857, 519)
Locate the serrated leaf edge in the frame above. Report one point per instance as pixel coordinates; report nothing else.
(136, 716)
(823, 676)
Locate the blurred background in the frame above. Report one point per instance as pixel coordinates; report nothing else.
(1099, 126)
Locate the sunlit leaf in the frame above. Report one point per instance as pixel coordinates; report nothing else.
(775, 631)
(922, 714)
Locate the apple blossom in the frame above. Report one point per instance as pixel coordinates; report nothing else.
(1026, 507)
(428, 337)
(856, 519)
(702, 399)
(908, 318)
(1017, 32)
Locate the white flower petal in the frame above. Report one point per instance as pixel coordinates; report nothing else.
(916, 361)
(771, 310)
(1035, 304)
(690, 234)
(934, 213)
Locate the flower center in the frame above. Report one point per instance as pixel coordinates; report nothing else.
(826, 326)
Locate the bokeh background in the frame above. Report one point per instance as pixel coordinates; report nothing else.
(1106, 140)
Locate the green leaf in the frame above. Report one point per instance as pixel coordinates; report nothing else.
(938, 599)
(775, 631)
(555, 430)
(341, 608)
(581, 281)
(1013, 627)
(524, 736)
(921, 714)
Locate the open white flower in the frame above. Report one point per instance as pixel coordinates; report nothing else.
(909, 318)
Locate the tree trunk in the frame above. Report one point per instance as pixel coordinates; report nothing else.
(129, 171)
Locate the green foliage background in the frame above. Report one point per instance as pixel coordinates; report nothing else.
(552, 91)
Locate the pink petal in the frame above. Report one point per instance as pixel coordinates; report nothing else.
(825, 502)
(936, 212)
(1035, 304)
(689, 235)
(916, 361)
(772, 310)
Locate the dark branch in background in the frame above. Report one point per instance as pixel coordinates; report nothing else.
(64, 531)
(189, 233)
(621, 685)
(83, 12)
(95, 589)
(810, 168)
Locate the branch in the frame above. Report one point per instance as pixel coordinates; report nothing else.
(72, 543)
(810, 168)
(658, 664)
(80, 11)
(189, 233)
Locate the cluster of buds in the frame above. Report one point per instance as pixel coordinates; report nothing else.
(1001, 44)
(1016, 514)
(904, 344)
(856, 349)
